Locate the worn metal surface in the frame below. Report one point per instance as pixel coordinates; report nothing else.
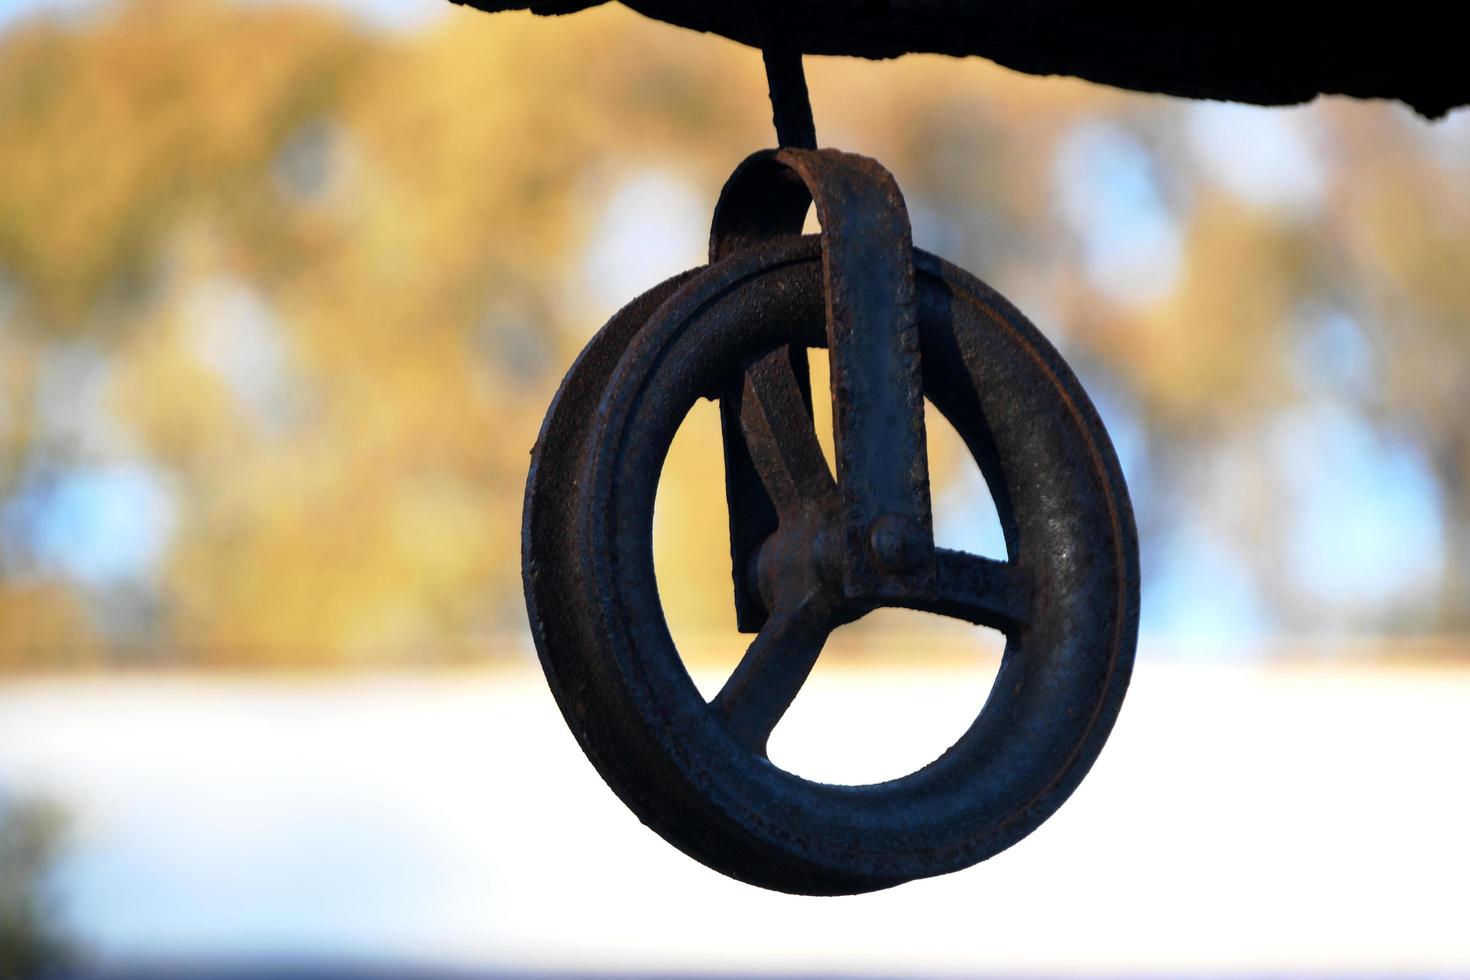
(813, 551)
(872, 336)
(791, 107)
(1246, 51)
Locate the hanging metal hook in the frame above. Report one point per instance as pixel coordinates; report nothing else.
(790, 100)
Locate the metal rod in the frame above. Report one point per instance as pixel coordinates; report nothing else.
(789, 99)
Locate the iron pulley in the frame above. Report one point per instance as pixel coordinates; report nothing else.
(813, 549)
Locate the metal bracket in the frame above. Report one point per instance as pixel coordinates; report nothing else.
(877, 387)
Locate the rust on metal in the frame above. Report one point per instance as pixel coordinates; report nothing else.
(872, 338)
(813, 549)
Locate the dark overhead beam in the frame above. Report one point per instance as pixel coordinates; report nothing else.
(1270, 53)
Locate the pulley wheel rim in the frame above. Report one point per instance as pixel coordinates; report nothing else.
(1062, 679)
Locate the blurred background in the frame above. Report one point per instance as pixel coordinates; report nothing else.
(285, 289)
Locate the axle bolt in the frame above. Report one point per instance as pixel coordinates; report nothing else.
(895, 543)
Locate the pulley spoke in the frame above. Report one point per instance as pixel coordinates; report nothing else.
(776, 420)
(978, 590)
(773, 670)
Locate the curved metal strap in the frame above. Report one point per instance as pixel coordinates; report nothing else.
(873, 338)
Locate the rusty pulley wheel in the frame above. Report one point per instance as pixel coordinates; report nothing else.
(1067, 599)
(698, 774)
